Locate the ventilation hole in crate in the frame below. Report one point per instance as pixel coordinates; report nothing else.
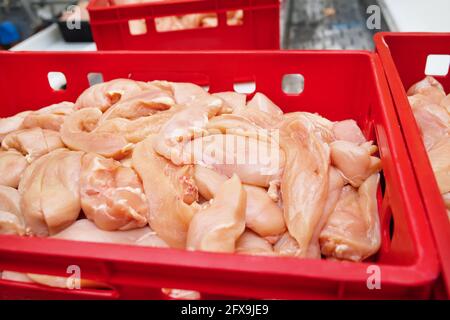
(186, 22)
(437, 65)
(293, 83)
(95, 78)
(382, 184)
(387, 229)
(245, 87)
(57, 80)
(179, 294)
(235, 18)
(391, 227)
(66, 282)
(137, 27)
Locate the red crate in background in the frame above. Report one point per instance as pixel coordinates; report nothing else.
(404, 57)
(337, 85)
(110, 25)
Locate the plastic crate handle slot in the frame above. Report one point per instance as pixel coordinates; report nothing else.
(386, 223)
(34, 289)
(107, 292)
(137, 27)
(245, 87)
(57, 80)
(104, 290)
(95, 78)
(437, 65)
(293, 84)
(212, 20)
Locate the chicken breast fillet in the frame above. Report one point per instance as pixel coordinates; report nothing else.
(262, 214)
(286, 246)
(104, 95)
(185, 93)
(53, 176)
(33, 143)
(335, 185)
(440, 162)
(354, 162)
(13, 123)
(169, 190)
(12, 166)
(11, 224)
(262, 103)
(429, 87)
(78, 133)
(431, 111)
(304, 184)
(352, 231)
(218, 227)
(146, 103)
(50, 117)
(348, 130)
(231, 100)
(434, 123)
(255, 161)
(137, 130)
(185, 125)
(11, 218)
(10, 200)
(85, 230)
(250, 243)
(111, 194)
(240, 126)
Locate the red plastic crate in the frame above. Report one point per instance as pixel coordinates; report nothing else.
(338, 85)
(404, 57)
(260, 28)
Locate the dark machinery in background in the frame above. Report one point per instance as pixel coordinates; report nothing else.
(30, 16)
(328, 24)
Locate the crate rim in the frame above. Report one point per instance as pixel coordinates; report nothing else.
(94, 7)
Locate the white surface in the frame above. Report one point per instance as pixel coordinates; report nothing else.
(417, 15)
(437, 64)
(50, 39)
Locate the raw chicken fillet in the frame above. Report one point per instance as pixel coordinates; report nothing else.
(431, 109)
(168, 164)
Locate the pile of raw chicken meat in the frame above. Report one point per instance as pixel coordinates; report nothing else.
(431, 108)
(188, 21)
(168, 164)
